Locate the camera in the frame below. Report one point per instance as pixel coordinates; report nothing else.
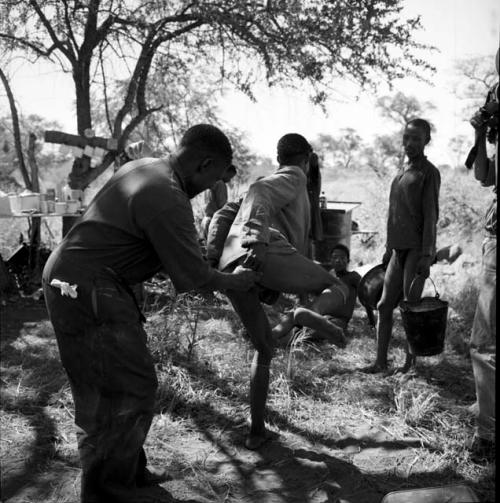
(488, 114)
(486, 117)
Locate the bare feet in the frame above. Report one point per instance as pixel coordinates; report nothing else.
(409, 364)
(336, 335)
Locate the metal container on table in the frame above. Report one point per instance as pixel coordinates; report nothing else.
(29, 202)
(336, 220)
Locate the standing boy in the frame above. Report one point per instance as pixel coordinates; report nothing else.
(411, 235)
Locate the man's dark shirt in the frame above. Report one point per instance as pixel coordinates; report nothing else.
(140, 222)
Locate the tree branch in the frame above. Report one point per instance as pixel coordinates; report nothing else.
(105, 88)
(57, 43)
(67, 20)
(134, 122)
(40, 52)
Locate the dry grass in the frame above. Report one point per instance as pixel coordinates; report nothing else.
(317, 393)
(383, 433)
(317, 398)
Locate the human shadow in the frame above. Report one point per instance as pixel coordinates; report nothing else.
(300, 471)
(209, 421)
(30, 361)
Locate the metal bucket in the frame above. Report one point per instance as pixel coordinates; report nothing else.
(424, 322)
(336, 230)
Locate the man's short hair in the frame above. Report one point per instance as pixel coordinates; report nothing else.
(293, 144)
(423, 125)
(207, 138)
(342, 248)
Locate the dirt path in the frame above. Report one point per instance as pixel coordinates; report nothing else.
(206, 461)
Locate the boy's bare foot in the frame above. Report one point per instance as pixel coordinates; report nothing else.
(409, 364)
(256, 440)
(332, 333)
(409, 371)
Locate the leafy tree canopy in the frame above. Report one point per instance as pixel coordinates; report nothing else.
(285, 42)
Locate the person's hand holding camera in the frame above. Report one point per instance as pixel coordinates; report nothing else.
(477, 122)
(486, 116)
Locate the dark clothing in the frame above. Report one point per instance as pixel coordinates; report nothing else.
(103, 349)
(141, 221)
(414, 208)
(351, 279)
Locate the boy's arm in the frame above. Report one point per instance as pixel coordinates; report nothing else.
(430, 210)
(219, 229)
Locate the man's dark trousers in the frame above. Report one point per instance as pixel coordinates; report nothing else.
(103, 349)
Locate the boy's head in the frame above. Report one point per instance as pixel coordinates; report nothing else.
(416, 136)
(340, 257)
(294, 149)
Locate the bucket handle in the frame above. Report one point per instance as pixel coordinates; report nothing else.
(433, 284)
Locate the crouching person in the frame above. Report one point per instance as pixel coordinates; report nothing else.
(326, 319)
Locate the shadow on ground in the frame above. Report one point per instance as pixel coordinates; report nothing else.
(299, 466)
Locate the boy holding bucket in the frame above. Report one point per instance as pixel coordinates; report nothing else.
(411, 235)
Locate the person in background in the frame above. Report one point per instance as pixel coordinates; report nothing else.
(215, 198)
(483, 337)
(411, 236)
(270, 234)
(330, 313)
(139, 223)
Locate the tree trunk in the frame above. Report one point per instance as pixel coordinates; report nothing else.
(16, 130)
(79, 175)
(36, 222)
